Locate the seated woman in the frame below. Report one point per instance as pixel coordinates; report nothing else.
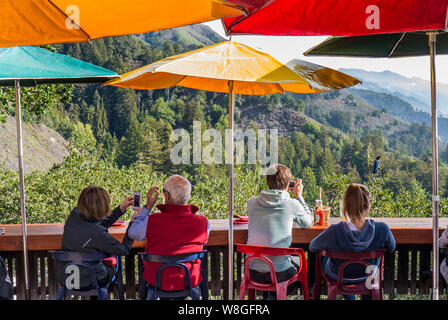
(358, 234)
(271, 215)
(86, 231)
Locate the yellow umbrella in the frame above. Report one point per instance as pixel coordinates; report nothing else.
(38, 22)
(237, 69)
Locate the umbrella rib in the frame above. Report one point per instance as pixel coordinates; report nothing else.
(181, 79)
(62, 12)
(396, 45)
(280, 86)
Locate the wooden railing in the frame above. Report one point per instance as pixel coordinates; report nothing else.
(407, 270)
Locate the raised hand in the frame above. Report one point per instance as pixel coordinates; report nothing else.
(129, 201)
(298, 188)
(151, 197)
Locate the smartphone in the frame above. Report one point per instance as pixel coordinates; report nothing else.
(293, 182)
(137, 200)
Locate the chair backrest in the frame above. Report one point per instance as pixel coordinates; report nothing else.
(173, 261)
(263, 253)
(355, 258)
(79, 259)
(267, 251)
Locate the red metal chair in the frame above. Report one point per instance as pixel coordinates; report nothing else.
(281, 288)
(336, 287)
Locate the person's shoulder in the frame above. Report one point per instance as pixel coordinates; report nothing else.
(253, 198)
(337, 226)
(155, 215)
(252, 201)
(201, 217)
(379, 224)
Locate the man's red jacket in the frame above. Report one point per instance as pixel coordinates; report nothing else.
(175, 230)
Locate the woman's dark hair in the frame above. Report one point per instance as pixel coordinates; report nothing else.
(94, 203)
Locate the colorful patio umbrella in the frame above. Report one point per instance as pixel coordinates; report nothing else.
(37, 22)
(351, 18)
(29, 66)
(234, 68)
(337, 17)
(392, 46)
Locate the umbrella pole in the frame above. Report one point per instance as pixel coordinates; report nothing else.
(435, 175)
(230, 157)
(22, 189)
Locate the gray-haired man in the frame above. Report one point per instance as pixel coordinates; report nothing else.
(177, 229)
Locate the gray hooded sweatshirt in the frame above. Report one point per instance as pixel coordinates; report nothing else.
(271, 215)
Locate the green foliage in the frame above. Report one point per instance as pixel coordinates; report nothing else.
(50, 196)
(311, 128)
(408, 202)
(342, 120)
(35, 101)
(310, 189)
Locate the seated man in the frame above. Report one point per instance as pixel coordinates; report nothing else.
(271, 216)
(177, 229)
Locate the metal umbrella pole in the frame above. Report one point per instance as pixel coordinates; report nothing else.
(22, 188)
(435, 174)
(230, 159)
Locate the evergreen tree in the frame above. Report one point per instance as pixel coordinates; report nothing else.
(310, 191)
(130, 145)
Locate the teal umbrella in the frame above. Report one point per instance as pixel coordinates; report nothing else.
(392, 45)
(29, 66)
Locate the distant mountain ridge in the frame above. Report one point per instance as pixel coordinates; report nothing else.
(415, 91)
(188, 36)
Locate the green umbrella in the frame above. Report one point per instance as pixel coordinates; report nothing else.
(408, 44)
(29, 66)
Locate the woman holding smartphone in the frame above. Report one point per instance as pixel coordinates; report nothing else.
(86, 231)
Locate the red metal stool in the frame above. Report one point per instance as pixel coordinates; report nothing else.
(336, 287)
(281, 288)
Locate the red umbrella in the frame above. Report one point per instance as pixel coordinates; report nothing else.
(354, 18)
(337, 17)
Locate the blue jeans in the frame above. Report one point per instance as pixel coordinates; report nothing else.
(194, 293)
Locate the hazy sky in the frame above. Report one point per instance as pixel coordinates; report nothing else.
(287, 48)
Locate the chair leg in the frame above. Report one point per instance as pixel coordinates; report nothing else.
(282, 290)
(376, 294)
(251, 294)
(317, 290)
(243, 288)
(60, 294)
(306, 295)
(332, 292)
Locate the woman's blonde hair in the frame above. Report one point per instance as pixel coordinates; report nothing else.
(356, 201)
(94, 203)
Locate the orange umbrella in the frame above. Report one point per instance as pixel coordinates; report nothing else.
(38, 22)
